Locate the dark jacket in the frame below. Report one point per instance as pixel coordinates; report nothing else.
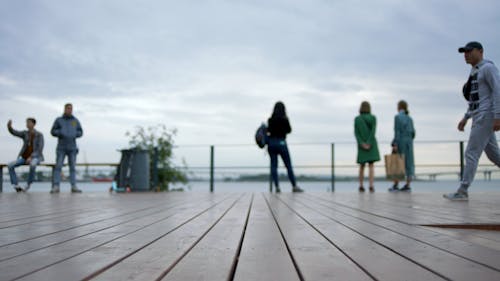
(278, 127)
(37, 142)
(67, 129)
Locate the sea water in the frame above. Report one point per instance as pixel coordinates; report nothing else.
(439, 186)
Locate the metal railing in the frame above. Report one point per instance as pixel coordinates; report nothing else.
(334, 157)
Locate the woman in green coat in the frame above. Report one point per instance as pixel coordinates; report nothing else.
(365, 125)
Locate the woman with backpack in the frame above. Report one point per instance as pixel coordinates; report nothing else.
(278, 128)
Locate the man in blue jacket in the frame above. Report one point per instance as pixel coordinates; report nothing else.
(30, 154)
(66, 128)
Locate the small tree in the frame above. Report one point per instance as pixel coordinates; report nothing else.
(161, 138)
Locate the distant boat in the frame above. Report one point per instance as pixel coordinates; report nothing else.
(102, 179)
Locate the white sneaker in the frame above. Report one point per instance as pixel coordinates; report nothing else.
(55, 189)
(18, 188)
(457, 196)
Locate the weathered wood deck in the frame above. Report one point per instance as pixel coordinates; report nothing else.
(259, 236)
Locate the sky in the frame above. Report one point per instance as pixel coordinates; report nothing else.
(214, 69)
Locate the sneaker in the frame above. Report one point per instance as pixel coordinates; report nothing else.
(372, 189)
(18, 188)
(405, 188)
(394, 188)
(278, 190)
(457, 196)
(361, 189)
(297, 189)
(55, 189)
(75, 189)
(27, 187)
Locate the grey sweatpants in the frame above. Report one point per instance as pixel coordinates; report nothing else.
(482, 138)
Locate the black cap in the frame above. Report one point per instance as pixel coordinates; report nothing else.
(469, 46)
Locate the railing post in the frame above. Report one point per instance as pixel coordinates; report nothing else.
(52, 177)
(333, 166)
(155, 169)
(211, 168)
(461, 160)
(270, 178)
(1, 178)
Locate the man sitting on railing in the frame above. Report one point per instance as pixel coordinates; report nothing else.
(30, 154)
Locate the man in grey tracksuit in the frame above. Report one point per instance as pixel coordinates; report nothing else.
(482, 92)
(31, 153)
(66, 128)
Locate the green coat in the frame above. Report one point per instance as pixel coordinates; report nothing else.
(365, 125)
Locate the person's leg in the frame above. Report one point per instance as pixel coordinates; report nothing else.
(371, 176)
(479, 137)
(56, 177)
(34, 162)
(285, 155)
(274, 165)
(72, 170)
(361, 174)
(492, 150)
(12, 172)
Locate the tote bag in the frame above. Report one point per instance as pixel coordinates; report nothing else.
(394, 166)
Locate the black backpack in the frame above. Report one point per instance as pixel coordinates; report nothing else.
(261, 135)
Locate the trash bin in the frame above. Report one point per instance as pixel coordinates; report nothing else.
(133, 170)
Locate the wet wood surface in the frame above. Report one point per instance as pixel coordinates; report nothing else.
(248, 236)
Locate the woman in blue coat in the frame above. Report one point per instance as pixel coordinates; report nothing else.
(404, 133)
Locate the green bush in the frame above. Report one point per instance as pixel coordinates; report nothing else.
(161, 138)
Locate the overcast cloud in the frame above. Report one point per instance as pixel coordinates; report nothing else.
(214, 69)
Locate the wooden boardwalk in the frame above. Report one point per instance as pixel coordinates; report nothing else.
(247, 236)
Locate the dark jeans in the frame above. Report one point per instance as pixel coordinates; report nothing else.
(277, 147)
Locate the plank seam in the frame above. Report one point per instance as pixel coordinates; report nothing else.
(373, 240)
(295, 264)
(164, 273)
(405, 235)
(232, 272)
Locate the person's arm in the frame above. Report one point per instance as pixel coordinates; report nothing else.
(79, 130)
(357, 131)
(371, 133)
(56, 129)
(288, 128)
(39, 148)
(397, 133)
(13, 131)
(492, 78)
(359, 127)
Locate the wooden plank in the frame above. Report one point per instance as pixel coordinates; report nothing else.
(78, 231)
(438, 261)
(316, 257)
(214, 256)
(43, 261)
(264, 255)
(155, 260)
(382, 263)
(485, 238)
(475, 252)
(481, 209)
(370, 203)
(33, 230)
(478, 253)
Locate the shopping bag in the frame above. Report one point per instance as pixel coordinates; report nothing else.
(394, 166)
